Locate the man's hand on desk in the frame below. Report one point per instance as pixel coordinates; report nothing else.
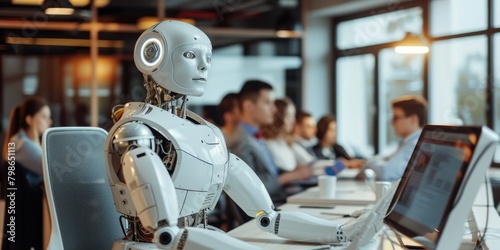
(299, 173)
(354, 163)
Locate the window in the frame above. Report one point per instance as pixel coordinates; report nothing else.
(458, 81)
(454, 76)
(377, 29)
(399, 74)
(496, 9)
(496, 82)
(458, 16)
(355, 91)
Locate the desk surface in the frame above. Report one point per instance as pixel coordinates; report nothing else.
(349, 192)
(250, 233)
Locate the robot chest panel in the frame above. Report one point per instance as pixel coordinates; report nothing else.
(201, 159)
(199, 140)
(198, 183)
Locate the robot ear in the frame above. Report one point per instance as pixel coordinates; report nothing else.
(150, 49)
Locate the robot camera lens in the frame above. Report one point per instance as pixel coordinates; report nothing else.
(151, 52)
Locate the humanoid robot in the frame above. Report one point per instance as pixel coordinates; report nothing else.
(167, 166)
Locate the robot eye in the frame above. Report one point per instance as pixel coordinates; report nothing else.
(189, 55)
(151, 52)
(209, 59)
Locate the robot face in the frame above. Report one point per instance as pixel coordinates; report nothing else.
(190, 66)
(177, 55)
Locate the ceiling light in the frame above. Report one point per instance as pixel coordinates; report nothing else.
(57, 7)
(412, 44)
(287, 25)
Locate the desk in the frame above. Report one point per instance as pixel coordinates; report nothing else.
(249, 232)
(349, 192)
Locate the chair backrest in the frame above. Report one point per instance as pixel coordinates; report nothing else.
(81, 205)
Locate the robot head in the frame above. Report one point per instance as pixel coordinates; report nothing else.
(176, 55)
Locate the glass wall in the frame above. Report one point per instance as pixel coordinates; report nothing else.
(355, 88)
(457, 16)
(454, 76)
(496, 82)
(399, 74)
(458, 81)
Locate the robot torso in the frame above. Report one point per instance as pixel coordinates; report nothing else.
(193, 151)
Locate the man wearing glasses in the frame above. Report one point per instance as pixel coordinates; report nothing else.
(409, 115)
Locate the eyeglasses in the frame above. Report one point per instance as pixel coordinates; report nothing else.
(395, 118)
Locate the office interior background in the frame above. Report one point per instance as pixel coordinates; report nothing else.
(340, 60)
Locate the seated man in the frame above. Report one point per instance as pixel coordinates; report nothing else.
(409, 115)
(257, 109)
(304, 130)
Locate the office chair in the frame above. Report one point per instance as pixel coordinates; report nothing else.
(81, 206)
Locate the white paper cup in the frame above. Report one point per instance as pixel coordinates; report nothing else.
(327, 186)
(381, 187)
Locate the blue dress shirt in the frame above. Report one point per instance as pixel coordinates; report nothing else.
(392, 168)
(264, 150)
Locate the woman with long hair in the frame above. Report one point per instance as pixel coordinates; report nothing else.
(328, 148)
(22, 175)
(27, 123)
(287, 154)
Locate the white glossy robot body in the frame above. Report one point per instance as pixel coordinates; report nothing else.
(196, 182)
(165, 162)
(197, 147)
(141, 183)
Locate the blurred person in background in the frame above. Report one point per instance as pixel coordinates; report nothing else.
(229, 110)
(23, 155)
(287, 154)
(304, 131)
(409, 115)
(327, 146)
(257, 110)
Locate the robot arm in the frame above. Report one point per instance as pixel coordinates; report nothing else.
(246, 189)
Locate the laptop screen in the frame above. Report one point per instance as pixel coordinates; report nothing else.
(432, 181)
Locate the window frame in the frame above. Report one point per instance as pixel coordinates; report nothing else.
(490, 31)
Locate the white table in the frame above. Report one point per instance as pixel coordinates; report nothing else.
(250, 233)
(349, 192)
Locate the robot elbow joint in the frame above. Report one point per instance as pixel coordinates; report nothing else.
(268, 222)
(165, 237)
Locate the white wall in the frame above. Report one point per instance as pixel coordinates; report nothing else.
(230, 69)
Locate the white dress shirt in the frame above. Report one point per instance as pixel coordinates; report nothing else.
(288, 157)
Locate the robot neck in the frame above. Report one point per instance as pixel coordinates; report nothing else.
(165, 99)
